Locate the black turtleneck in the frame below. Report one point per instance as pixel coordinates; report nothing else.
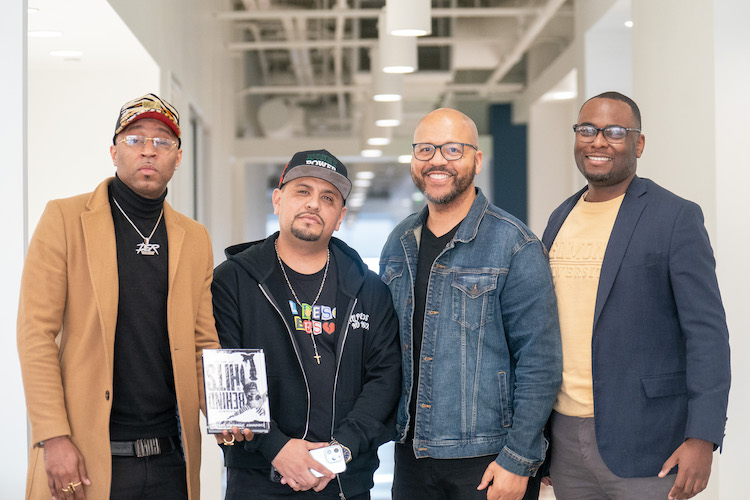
(144, 403)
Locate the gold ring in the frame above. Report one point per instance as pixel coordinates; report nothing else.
(65, 490)
(229, 443)
(75, 485)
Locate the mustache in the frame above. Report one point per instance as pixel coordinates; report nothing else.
(438, 169)
(313, 214)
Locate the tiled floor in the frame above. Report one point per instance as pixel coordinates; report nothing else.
(384, 477)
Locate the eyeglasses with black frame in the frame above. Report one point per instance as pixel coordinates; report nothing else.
(451, 151)
(160, 143)
(614, 134)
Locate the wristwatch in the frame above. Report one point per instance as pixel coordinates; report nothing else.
(345, 451)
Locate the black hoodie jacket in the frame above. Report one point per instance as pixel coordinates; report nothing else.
(368, 374)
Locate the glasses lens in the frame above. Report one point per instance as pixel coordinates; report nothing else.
(615, 134)
(161, 143)
(135, 140)
(424, 151)
(586, 133)
(452, 151)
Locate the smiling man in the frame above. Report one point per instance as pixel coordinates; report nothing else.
(329, 332)
(645, 344)
(479, 333)
(114, 313)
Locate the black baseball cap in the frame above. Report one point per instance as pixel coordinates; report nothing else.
(320, 164)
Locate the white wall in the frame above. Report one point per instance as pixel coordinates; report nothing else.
(72, 115)
(731, 45)
(12, 205)
(676, 95)
(552, 174)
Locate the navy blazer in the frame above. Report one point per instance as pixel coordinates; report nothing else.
(660, 346)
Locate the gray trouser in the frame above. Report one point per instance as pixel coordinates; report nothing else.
(578, 471)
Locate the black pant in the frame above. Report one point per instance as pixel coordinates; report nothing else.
(446, 479)
(149, 478)
(243, 484)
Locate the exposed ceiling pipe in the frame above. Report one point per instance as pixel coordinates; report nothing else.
(295, 54)
(511, 59)
(256, 15)
(499, 88)
(338, 63)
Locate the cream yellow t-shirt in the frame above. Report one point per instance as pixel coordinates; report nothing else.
(576, 261)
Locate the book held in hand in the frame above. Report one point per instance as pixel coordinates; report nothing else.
(236, 390)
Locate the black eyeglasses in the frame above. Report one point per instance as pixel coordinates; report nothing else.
(451, 151)
(614, 134)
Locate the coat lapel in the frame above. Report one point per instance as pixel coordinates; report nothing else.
(627, 218)
(101, 254)
(176, 236)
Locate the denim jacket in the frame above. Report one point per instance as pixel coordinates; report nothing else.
(491, 360)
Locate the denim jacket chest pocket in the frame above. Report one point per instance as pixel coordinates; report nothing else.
(474, 296)
(391, 274)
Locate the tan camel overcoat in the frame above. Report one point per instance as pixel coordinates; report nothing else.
(66, 332)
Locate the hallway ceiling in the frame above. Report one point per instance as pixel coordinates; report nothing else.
(307, 63)
(305, 78)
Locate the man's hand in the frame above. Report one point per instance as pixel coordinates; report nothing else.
(228, 437)
(694, 457)
(66, 472)
(294, 463)
(505, 485)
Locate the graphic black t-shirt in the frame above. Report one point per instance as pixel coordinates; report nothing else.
(316, 322)
(430, 247)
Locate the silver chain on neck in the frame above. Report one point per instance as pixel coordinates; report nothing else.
(145, 248)
(294, 294)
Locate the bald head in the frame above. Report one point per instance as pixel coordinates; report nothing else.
(447, 121)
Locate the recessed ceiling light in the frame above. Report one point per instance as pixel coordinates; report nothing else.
(628, 24)
(404, 158)
(66, 53)
(44, 34)
(378, 141)
(559, 95)
(371, 153)
(388, 122)
(365, 174)
(386, 97)
(362, 182)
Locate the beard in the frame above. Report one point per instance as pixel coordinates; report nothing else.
(303, 233)
(459, 186)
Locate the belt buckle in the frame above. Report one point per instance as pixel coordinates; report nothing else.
(147, 447)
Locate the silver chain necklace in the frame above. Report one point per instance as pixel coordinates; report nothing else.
(145, 248)
(294, 294)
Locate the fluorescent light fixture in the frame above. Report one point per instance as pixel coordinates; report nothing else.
(362, 183)
(404, 158)
(371, 153)
(398, 54)
(409, 18)
(66, 53)
(628, 24)
(365, 174)
(44, 34)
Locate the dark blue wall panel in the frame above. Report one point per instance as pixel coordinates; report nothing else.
(509, 190)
